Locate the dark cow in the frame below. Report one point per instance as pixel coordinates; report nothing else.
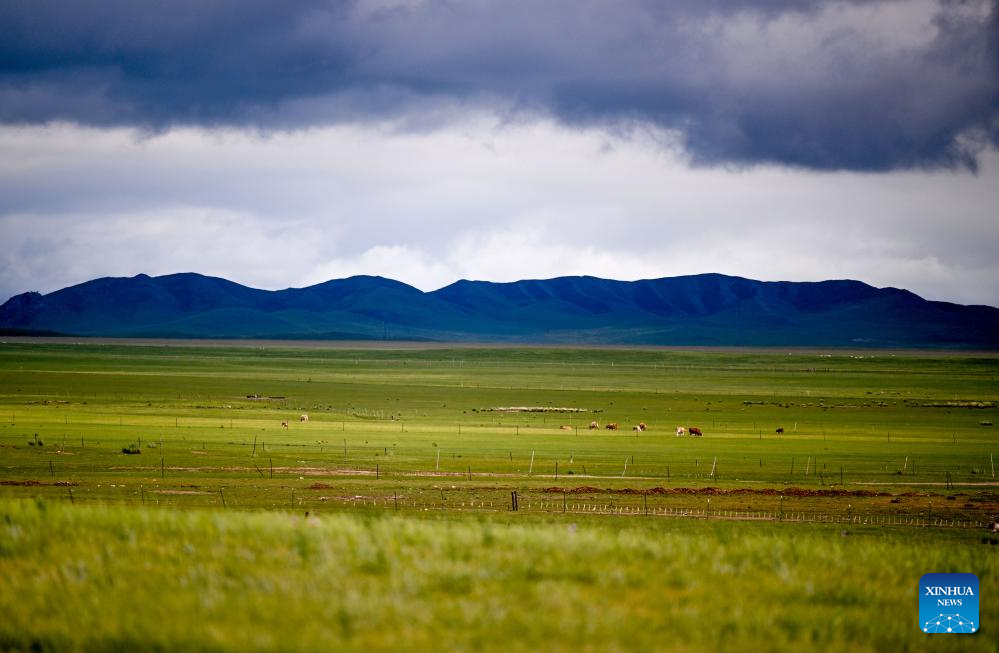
(612, 426)
(695, 431)
(780, 430)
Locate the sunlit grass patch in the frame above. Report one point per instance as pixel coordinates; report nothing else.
(105, 578)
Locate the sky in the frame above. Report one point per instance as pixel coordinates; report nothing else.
(281, 144)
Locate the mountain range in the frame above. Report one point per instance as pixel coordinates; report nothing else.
(703, 309)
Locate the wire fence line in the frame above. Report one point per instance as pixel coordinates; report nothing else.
(285, 461)
(439, 500)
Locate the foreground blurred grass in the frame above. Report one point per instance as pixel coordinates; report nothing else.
(104, 578)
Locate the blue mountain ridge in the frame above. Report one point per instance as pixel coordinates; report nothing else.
(703, 309)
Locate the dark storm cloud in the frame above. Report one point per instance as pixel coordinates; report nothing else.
(824, 85)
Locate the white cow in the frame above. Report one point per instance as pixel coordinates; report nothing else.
(680, 431)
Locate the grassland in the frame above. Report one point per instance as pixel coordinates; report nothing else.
(622, 541)
(116, 578)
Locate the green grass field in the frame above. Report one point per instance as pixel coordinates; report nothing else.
(118, 578)
(740, 539)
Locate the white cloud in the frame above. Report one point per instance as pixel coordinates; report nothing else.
(48, 252)
(480, 199)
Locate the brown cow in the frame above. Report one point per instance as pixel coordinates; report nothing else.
(612, 426)
(284, 424)
(594, 425)
(695, 431)
(643, 426)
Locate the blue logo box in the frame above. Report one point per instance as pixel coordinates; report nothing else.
(948, 603)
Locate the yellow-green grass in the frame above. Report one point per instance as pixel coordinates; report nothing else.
(104, 578)
(200, 541)
(419, 420)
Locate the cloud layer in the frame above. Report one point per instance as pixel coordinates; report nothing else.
(285, 143)
(861, 86)
(482, 199)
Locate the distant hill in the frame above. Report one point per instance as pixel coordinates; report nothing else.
(705, 309)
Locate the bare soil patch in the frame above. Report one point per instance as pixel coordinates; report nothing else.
(982, 484)
(535, 409)
(713, 491)
(32, 483)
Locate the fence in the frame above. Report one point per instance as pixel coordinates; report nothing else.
(327, 499)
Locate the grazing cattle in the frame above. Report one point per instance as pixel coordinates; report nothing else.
(639, 427)
(612, 426)
(565, 427)
(780, 430)
(680, 431)
(303, 418)
(594, 425)
(284, 424)
(695, 431)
